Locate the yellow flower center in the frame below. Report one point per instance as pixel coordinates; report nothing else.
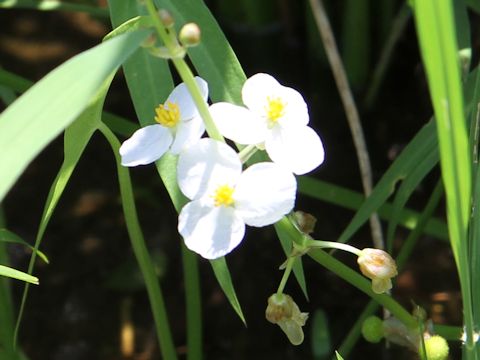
(223, 195)
(275, 109)
(167, 114)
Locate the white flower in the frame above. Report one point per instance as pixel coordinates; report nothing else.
(225, 199)
(277, 116)
(178, 126)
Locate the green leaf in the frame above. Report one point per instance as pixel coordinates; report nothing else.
(40, 114)
(17, 274)
(286, 242)
(213, 58)
(320, 335)
(339, 357)
(421, 146)
(220, 269)
(10, 237)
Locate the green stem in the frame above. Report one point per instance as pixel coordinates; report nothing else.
(286, 274)
(333, 245)
(193, 299)
(247, 152)
(141, 252)
(185, 73)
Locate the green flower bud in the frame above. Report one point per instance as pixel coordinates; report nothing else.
(378, 266)
(283, 311)
(372, 329)
(436, 348)
(190, 34)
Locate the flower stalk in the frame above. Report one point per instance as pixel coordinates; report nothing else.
(184, 72)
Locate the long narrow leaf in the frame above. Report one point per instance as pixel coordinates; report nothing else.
(40, 114)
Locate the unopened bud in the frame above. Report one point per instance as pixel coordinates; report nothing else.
(166, 18)
(378, 266)
(436, 347)
(283, 311)
(305, 222)
(372, 329)
(190, 34)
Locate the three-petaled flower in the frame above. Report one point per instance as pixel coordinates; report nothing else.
(277, 116)
(224, 199)
(178, 126)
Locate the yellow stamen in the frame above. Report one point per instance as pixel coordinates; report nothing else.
(223, 195)
(275, 109)
(167, 115)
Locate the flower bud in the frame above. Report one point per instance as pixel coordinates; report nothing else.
(436, 347)
(283, 311)
(166, 18)
(372, 329)
(190, 34)
(305, 222)
(378, 266)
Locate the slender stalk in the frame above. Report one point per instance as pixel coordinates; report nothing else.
(351, 111)
(141, 252)
(333, 245)
(185, 73)
(286, 274)
(6, 308)
(194, 304)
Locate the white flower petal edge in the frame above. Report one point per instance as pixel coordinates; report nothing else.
(265, 192)
(206, 165)
(298, 148)
(209, 231)
(145, 146)
(259, 88)
(187, 134)
(181, 96)
(238, 123)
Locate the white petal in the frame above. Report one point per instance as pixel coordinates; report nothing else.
(181, 96)
(211, 232)
(238, 123)
(188, 133)
(258, 88)
(264, 193)
(205, 165)
(146, 145)
(296, 110)
(298, 148)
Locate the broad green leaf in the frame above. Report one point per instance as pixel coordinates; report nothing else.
(10, 237)
(47, 108)
(339, 357)
(213, 58)
(148, 78)
(17, 274)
